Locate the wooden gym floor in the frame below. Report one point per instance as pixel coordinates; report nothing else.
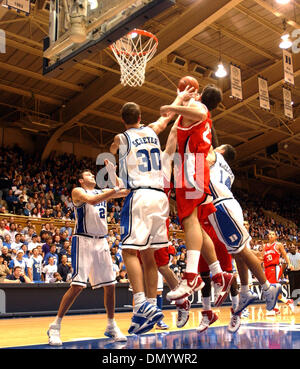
(87, 331)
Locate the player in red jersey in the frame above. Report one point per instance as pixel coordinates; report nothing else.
(192, 190)
(225, 259)
(272, 252)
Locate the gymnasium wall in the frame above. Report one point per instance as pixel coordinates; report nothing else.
(44, 299)
(30, 143)
(11, 136)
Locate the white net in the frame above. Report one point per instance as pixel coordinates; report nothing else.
(132, 52)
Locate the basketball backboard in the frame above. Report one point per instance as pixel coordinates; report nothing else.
(79, 28)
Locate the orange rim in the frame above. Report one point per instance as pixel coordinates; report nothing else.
(140, 32)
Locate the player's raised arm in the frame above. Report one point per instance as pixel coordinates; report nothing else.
(194, 111)
(114, 147)
(172, 140)
(79, 196)
(161, 124)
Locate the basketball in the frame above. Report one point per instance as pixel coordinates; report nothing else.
(188, 81)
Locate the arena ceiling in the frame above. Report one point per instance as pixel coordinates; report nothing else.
(82, 104)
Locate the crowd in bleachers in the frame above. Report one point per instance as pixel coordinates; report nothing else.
(31, 188)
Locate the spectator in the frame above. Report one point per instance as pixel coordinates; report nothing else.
(34, 242)
(17, 276)
(3, 230)
(19, 260)
(46, 246)
(51, 253)
(4, 271)
(49, 270)
(57, 278)
(181, 262)
(12, 201)
(35, 267)
(28, 234)
(5, 254)
(174, 266)
(116, 268)
(122, 278)
(16, 245)
(67, 228)
(12, 231)
(58, 245)
(64, 268)
(7, 241)
(64, 250)
(64, 236)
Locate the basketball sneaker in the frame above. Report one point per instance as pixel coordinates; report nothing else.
(221, 283)
(113, 331)
(145, 318)
(270, 312)
(277, 311)
(245, 313)
(271, 295)
(183, 313)
(54, 335)
(245, 299)
(235, 322)
(162, 325)
(190, 282)
(290, 304)
(208, 318)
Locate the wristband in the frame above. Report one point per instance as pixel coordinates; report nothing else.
(117, 189)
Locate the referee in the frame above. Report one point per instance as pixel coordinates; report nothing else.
(294, 272)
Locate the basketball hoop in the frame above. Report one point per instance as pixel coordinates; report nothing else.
(132, 52)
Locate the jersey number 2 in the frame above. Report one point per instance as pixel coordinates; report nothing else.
(206, 133)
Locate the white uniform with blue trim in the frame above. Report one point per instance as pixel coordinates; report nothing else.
(146, 209)
(91, 259)
(228, 220)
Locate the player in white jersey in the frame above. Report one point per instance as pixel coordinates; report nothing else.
(145, 212)
(90, 253)
(228, 223)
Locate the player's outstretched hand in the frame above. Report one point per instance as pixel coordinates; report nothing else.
(111, 169)
(187, 93)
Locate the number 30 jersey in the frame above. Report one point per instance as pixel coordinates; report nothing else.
(91, 219)
(140, 158)
(221, 178)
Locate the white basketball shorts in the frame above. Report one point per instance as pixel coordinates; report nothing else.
(144, 220)
(91, 260)
(228, 223)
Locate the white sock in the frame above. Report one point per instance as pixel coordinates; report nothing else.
(244, 289)
(235, 302)
(111, 322)
(57, 321)
(152, 301)
(266, 286)
(215, 268)
(192, 261)
(138, 298)
(206, 303)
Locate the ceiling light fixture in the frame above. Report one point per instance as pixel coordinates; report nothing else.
(93, 4)
(221, 71)
(285, 38)
(282, 2)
